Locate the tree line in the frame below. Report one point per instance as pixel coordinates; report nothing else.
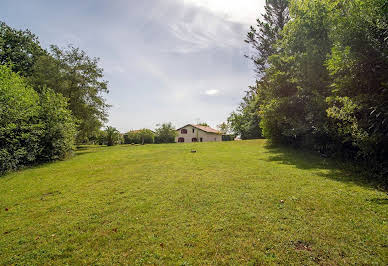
(50, 99)
(322, 79)
(164, 133)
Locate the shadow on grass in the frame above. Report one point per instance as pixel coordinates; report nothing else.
(335, 169)
(82, 153)
(86, 149)
(379, 201)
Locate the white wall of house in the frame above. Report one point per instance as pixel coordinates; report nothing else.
(193, 132)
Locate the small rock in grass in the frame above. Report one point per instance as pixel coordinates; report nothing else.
(281, 201)
(193, 151)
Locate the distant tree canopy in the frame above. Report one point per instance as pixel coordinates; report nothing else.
(203, 124)
(165, 133)
(322, 79)
(142, 136)
(70, 72)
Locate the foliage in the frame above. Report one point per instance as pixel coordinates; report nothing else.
(165, 133)
(230, 203)
(264, 36)
(203, 124)
(224, 128)
(358, 66)
(76, 76)
(100, 137)
(112, 136)
(20, 48)
(33, 127)
(293, 109)
(59, 127)
(142, 136)
(245, 121)
(70, 72)
(323, 81)
(19, 121)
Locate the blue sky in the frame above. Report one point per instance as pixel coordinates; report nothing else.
(165, 60)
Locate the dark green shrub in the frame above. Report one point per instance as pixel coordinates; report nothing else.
(59, 128)
(33, 127)
(20, 128)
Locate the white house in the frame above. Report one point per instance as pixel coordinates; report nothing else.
(197, 133)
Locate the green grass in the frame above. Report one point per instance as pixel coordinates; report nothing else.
(229, 203)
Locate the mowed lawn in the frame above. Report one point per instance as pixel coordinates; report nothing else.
(229, 203)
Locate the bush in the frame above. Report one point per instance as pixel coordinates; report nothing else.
(112, 136)
(33, 128)
(59, 127)
(143, 136)
(165, 133)
(20, 129)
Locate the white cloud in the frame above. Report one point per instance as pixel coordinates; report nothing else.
(245, 12)
(212, 92)
(196, 29)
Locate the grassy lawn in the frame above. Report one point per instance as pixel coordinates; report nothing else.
(229, 203)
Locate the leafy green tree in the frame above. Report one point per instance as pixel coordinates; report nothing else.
(358, 66)
(296, 83)
(59, 127)
(70, 72)
(33, 127)
(20, 48)
(100, 137)
(165, 133)
(264, 36)
(224, 128)
(78, 77)
(326, 86)
(20, 128)
(245, 121)
(112, 136)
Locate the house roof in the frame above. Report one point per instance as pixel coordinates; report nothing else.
(203, 128)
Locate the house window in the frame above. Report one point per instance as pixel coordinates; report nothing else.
(200, 139)
(184, 131)
(193, 130)
(181, 139)
(194, 140)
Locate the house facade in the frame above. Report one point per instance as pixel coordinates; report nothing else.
(197, 133)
